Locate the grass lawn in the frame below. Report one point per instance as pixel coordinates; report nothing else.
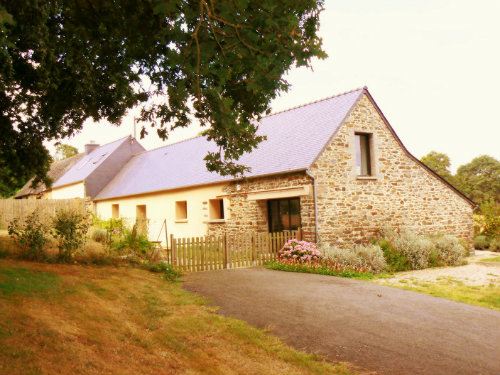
(456, 290)
(118, 320)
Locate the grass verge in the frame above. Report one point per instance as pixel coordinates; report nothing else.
(451, 288)
(122, 320)
(274, 265)
(494, 259)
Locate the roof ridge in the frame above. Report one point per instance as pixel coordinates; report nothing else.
(105, 144)
(170, 144)
(272, 114)
(316, 101)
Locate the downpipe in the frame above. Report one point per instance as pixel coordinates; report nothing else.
(315, 207)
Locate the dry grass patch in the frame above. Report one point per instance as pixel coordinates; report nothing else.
(94, 320)
(456, 290)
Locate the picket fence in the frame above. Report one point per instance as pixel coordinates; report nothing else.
(46, 208)
(228, 251)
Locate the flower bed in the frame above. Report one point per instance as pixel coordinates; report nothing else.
(299, 251)
(302, 256)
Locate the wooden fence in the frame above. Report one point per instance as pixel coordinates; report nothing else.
(22, 208)
(229, 251)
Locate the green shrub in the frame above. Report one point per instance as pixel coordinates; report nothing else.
(466, 246)
(396, 261)
(31, 237)
(109, 224)
(495, 244)
(415, 248)
(481, 242)
(100, 235)
(448, 249)
(133, 243)
(435, 260)
(346, 257)
(372, 256)
(490, 218)
(368, 257)
(169, 273)
(70, 229)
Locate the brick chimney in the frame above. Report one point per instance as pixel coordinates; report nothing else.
(89, 147)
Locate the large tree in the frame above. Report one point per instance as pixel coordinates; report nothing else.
(439, 163)
(480, 179)
(64, 151)
(221, 62)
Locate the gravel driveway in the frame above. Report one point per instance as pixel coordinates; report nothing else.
(474, 273)
(388, 330)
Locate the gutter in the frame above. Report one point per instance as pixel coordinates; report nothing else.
(315, 206)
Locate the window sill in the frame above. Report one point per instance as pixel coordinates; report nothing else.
(366, 178)
(179, 221)
(216, 221)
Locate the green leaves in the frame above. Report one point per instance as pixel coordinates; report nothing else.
(439, 163)
(218, 62)
(480, 179)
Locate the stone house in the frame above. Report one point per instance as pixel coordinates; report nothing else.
(334, 168)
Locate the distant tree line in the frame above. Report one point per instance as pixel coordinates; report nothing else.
(479, 179)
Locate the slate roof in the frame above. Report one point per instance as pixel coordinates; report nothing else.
(295, 138)
(88, 163)
(57, 169)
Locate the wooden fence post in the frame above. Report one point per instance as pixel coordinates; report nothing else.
(226, 258)
(253, 244)
(172, 250)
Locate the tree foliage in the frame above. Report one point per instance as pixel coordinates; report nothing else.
(439, 163)
(480, 179)
(220, 62)
(64, 151)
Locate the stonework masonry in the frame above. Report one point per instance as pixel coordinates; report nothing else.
(251, 215)
(399, 193)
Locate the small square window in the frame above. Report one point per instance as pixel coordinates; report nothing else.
(363, 154)
(115, 211)
(216, 209)
(181, 210)
(140, 212)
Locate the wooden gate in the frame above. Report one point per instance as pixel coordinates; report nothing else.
(229, 251)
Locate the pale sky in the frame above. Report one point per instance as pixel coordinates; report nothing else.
(432, 66)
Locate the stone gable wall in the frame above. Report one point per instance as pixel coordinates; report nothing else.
(401, 192)
(251, 215)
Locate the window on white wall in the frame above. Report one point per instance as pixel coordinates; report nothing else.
(181, 210)
(115, 211)
(363, 154)
(216, 209)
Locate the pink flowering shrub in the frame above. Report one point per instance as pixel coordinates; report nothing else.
(299, 252)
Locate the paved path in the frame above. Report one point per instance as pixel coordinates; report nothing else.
(388, 330)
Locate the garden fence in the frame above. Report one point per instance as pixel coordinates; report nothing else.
(22, 208)
(228, 251)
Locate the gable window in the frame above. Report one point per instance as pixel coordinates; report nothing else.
(216, 209)
(363, 154)
(115, 211)
(283, 214)
(181, 210)
(99, 159)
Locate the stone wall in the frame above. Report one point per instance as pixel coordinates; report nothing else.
(401, 192)
(251, 215)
